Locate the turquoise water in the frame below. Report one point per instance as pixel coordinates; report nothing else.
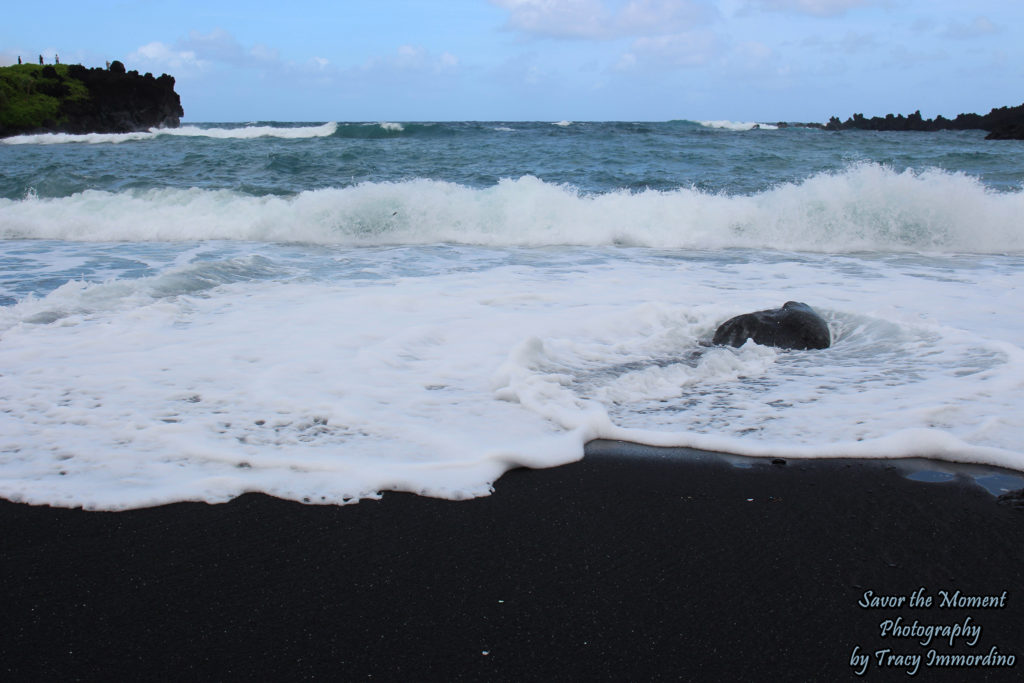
(591, 157)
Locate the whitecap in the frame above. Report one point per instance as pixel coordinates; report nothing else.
(738, 125)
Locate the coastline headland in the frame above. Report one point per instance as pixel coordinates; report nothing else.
(1004, 123)
(70, 98)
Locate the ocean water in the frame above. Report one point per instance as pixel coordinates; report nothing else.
(326, 311)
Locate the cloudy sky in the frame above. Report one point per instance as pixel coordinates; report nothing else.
(420, 60)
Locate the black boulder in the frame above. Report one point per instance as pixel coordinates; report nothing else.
(794, 326)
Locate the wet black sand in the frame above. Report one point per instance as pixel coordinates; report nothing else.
(670, 566)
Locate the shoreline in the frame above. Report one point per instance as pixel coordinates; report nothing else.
(994, 479)
(669, 565)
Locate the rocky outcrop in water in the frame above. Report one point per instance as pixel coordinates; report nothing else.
(1004, 123)
(73, 99)
(1008, 130)
(794, 326)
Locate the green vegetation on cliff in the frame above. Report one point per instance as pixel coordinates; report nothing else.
(31, 95)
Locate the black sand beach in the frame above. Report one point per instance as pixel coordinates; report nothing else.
(675, 565)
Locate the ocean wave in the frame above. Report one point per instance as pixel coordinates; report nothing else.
(87, 138)
(866, 207)
(236, 133)
(249, 132)
(738, 125)
(392, 129)
(78, 298)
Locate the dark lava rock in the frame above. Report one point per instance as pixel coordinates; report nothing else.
(1014, 499)
(122, 102)
(1008, 131)
(794, 326)
(1004, 123)
(85, 100)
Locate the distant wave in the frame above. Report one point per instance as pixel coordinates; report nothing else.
(363, 130)
(88, 138)
(392, 129)
(355, 130)
(238, 133)
(738, 125)
(247, 132)
(866, 207)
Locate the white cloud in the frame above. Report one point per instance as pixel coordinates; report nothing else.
(689, 49)
(652, 17)
(981, 26)
(902, 57)
(604, 19)
(204, 51)
(221, 46)
(263, 53)
(558, 18)
(164, 56)
(818, 8)
(626, 62)
(754, 59)
(852, 42)
(527, 69)
(413, 58)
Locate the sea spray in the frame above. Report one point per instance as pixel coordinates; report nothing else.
(866, 207)
(220, 132)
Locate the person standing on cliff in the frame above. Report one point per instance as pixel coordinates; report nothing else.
(40, 60)
(19, 60)
(56, 59)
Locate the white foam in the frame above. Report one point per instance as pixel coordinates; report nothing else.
(738, 125)
(242, 133)
(434, 370)
(563, 124)
(253, 131)
(866, 207)
(88, 138)
(392, 127)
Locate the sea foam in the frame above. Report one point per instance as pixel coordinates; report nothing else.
(223, 133)
(865, 207)
(738, 125)
(331, 374)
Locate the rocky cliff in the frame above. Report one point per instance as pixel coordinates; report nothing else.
(1005, 123)
(73, 99)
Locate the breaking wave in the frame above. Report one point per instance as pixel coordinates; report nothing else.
(738, 125)
(224, 133)
(866, 207)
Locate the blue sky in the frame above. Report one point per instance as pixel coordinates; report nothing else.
(415, 60)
